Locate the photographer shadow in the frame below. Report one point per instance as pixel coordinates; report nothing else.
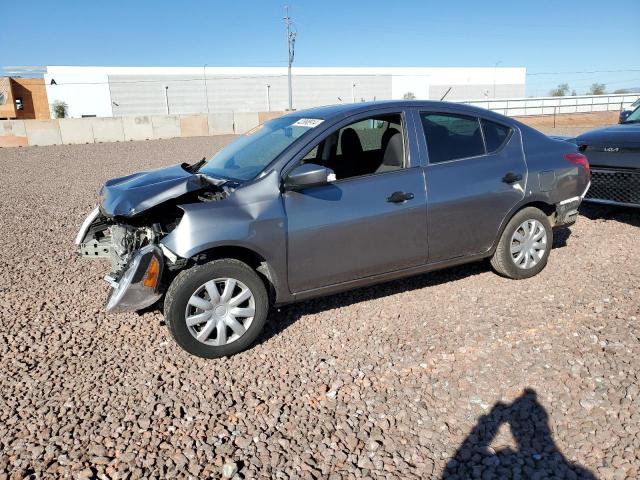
(536, 455)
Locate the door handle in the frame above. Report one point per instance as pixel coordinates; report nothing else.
(512, 177)
(399, 197)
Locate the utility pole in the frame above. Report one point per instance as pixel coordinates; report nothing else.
(206, 90)
(291, 41)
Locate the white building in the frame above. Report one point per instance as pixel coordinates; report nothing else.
(117, 91)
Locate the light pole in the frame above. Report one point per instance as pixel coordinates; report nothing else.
(495, 67)
(268, 98)
(166, 97)
(291, 41)
(353, 93)
(206, 90)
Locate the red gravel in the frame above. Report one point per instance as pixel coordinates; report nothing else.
(393, 381)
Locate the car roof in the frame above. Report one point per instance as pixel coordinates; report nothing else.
(341, 110)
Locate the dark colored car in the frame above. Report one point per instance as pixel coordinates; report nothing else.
(325, 200)
(614, 155)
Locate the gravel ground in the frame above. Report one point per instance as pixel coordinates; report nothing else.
(458, 373)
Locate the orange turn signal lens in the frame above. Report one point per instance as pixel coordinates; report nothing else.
(153, 271)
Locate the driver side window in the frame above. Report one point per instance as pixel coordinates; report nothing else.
(369, 146)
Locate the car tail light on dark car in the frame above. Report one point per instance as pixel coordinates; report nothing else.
(578, 159)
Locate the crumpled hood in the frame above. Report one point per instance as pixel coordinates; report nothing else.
(130, 195)
(622, 135)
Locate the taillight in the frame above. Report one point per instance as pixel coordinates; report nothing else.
(578, 159)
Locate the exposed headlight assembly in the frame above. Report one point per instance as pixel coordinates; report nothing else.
(137, 288)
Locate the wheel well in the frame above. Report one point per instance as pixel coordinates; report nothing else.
(246, 255)
(548, 210)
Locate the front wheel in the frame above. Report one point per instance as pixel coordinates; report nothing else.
(216, 309)
(524, 246)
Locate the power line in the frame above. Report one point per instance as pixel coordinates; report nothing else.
(293, 35)
(167, 78)
(585, 72)
(238, 77)
(582, 86)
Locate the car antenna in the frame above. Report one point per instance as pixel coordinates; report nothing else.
(446, 93)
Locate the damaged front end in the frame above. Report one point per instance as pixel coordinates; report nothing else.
(135, 213)
(137, 263)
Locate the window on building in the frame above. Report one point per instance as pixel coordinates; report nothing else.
(19, 104)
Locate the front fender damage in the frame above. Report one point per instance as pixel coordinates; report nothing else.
(134, 214)
(252, 217)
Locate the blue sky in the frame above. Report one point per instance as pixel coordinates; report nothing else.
(544, 36)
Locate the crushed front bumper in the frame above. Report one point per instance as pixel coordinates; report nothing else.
(138, 286)
(84, 228)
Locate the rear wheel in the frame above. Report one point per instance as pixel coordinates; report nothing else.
(217, 309)
(524, 246)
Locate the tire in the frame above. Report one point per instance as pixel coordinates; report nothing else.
(217, 322)
(512, 265)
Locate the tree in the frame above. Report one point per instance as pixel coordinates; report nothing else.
(597, 89)
(621, 90)
(60, 109)
(573, 92)
(409, 96)
(560, 91)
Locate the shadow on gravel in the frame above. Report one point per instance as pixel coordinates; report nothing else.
(285, 316)
(536, 456)
(628, 215)
(560, 237)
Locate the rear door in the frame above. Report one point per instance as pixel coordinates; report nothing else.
(355, 227)
(475, 174)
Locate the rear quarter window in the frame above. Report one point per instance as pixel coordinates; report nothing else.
(495, 135)
(451, 136)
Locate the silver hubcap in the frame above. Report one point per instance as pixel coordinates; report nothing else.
(528, 244)
(220, 311)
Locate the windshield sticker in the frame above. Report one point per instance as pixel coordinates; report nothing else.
(308, 122)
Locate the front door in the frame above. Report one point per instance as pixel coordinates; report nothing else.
(371, 220)
(475, 176)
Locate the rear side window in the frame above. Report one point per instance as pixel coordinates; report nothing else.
(450, 136)
(495, 135)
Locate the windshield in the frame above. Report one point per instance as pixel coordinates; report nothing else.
(634, 117)
(245, 158)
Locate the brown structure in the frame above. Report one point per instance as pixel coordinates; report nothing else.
(23, 98)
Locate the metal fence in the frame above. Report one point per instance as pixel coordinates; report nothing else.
(519, 107)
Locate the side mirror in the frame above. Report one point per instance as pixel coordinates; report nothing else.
(308, 175)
